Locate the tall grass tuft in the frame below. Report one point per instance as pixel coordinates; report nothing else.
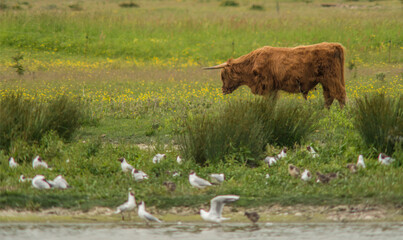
(241, 130)
(379, 120)
(30, 120)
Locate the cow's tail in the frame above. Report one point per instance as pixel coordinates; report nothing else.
(342, 92)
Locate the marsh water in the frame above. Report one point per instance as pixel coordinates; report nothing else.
(195, 231)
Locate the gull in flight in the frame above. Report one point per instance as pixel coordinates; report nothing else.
(384, 159)
(127, 206)
(312, 152)
(125, 166)
(216, 207)
(306, 175)
(139, 175)
(197, 181)
(360, 161)
(179, 159)
(59, 182)
(40, 182)
(12, 163)
(217, 178)
(157, 158)
(143, 214)
(282, 154)
(38, 162)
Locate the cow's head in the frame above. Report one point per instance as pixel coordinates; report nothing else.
(229, 77)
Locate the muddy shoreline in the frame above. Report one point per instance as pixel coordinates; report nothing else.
(275, 213)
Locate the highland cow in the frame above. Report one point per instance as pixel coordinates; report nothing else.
(295, 70)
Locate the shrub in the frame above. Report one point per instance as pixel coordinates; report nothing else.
(379, 120)
(242, 129)
(257, 7)
(229, 3)
(128, 5)
(29, 120)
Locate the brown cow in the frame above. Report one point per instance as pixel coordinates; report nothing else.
(294, 70)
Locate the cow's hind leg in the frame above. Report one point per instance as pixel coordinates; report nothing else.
(328, 98)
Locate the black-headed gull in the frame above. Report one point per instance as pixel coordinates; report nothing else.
(271, 161)
(312, 152)
(353, 167)
(253, 216)
(139, 175)
(40, 182)
(306, 175)
(360, 161)
(60, 182)
(179, 159)
(293, 170)
(171, 186)
(127, 206)
(216, 207)
(325, 178)
(384, 159)
(24, 179)
(217, 177)
(143, 214)
(282, 154)
(197, 181)
(12, 163)
(126, 167)
(38, 162)
(158, 157)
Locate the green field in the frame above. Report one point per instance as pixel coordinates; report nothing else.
(138, 71)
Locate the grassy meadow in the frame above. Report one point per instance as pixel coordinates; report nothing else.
(135, 76)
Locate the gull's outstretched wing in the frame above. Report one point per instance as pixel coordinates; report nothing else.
(217, 203)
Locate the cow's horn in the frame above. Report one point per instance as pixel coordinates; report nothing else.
(222, 65)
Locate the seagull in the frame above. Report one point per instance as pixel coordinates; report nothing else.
(157, 158)
(171, 186)
(197, 181)
(306, 175)
(282, 154)
(353, 167)
(125, 166)
(270, 161)
(322, 178)
(293, 170)
(127, 206)
(143, 214)
(37, 162)
(60, 182)
(24, 179)
(253, 216)
(12, 163)
(360, 161)
(384, 159)
(40, 182)
(216, 207)
(217, 178)
(312, 152)
(139, 175)
(179, 159)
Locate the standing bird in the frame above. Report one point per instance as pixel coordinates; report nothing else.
(360, 161)
(282, 154)
(312, 152)
(60, 182)
(384, 159)
(293, 170)
(322, 178)
(38, 162)
(216, 207)
(157, 158)
(217, 178)
(143, 214)
(12, 163)
(197, 181)
(40, 182)
(139, 175)
(253, 216)
(171, 186)
(179, 159)
(126, 167)
(306, 175)
(271, 161)
(127, 206)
